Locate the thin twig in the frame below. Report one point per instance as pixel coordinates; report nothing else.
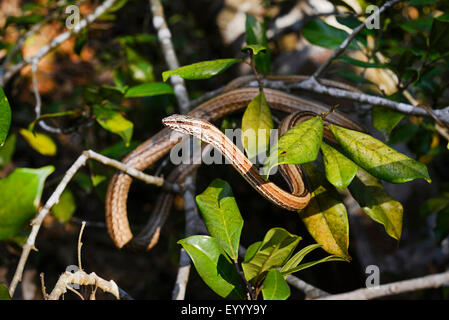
(337, 52)
(309, 290)
(57, 41)
(432, 281)
(80, 245)
(44, 290)
(316, 87)
(193, 221)
(37, 96)
(54, 198)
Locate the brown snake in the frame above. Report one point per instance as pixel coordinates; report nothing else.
(160, 144)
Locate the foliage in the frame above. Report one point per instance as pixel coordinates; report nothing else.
(216, 257)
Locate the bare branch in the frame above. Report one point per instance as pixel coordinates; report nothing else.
(82, 278)
(193, 221)
(337, 52)
(57, 41)
(310, 291)
(432, 281)
(54, 198)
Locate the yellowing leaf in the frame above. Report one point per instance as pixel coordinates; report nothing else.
(113, 121)
(377, 158)
(256, 126)
(40, 142)
(325, 217)
(377, 203)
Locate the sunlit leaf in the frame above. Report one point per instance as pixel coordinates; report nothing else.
(201, 70)
(313, 263)
(256, 127)
(221, 216)
(149, 89)
(298, 145)
(20, 198)
(319, 33)
(377, 158)
(255, 49)
(377, 203)
(256, 35)
(294, 261)
(214, 266)
(40, 142)
(113, 121)
(339, 170)
(275, 249)
(325, 217)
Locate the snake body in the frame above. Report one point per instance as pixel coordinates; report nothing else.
(160, 144)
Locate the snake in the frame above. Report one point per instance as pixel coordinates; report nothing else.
(198, 122)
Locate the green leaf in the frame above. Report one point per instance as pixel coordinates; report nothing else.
(255, 49)
(435, 204)
(40, 142)
(24, 20)
(7, 151)
(221, 216)
(20, 198)
(298, 257)
(441, 229)
(421, 2)
(385, 119)
(275, 249)
(119, 150)
(275, 287)
(4, 293)
(214, 266)
(325, 217)
(201, 70)
(65, 208)
(256, 35)
(339, 170)
(80, 41)
(377, 203)
(298, 145)
(149, 89)
(313, 263)
(319, 33)
(256, 127)
(50, 115)
(437, 40)
(113, 121)
(141, 70)
(5, 117)
(251, 251)
(377, 158)
(416, 25)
